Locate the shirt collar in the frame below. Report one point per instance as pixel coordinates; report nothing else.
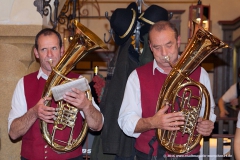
(155, 66)
(41, 74)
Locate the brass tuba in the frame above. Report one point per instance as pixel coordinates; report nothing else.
(176, 91)
(81, 44)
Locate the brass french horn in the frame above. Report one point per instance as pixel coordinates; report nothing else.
(81, 44)
(201, 45)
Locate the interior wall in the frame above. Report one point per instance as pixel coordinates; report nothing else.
(17, 60)
(21, 12)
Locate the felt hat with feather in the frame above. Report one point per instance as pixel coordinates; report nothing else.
(123, 23)
(151, 15)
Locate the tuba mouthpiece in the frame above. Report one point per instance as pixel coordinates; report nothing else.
(167, 58)
(50, 60)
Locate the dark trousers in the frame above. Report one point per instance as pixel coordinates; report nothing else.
(126, 158)
(143, 156)
(76, 158)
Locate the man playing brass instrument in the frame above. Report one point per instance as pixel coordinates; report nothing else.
(28, 107)
(138, 117)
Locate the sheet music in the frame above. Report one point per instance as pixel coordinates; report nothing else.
(60, 90)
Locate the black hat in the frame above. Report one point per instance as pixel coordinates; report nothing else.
(150, 16)
(123, 22)
(153, 14)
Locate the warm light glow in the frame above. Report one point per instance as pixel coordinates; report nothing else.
(198, 20)
(205, 24)
(201, 15)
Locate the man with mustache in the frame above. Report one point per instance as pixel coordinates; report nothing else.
(138, 117)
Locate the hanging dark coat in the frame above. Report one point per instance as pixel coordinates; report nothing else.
(112, 140)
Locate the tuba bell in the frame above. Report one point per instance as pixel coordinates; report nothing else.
(177, 92)
(81, 44)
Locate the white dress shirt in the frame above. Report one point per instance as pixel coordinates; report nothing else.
(230, 94)
(131, 110)
(19, 104)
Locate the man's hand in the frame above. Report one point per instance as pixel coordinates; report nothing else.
(204, 127)
(43, 112)
(161, 120)
(77, 98)
(223, 113)
(169, 121)
(21, 125)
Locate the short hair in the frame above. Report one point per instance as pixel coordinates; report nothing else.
(162, 25)
(45, 32)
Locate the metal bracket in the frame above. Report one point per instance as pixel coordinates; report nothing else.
(44, 8)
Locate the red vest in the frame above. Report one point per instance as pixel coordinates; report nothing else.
(150, 86)
(34, 146)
